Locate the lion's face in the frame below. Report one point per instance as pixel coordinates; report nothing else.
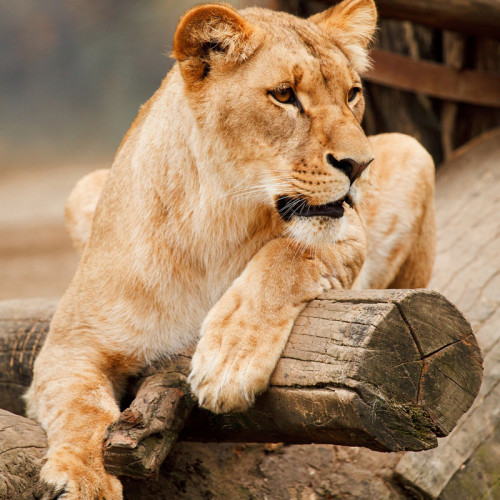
(289, 115)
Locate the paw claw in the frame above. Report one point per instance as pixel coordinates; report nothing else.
(46, 491)
(65, 476)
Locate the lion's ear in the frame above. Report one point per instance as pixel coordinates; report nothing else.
(210, 32)
(352, 23)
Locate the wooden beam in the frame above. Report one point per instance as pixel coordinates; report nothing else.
(433, 79)
(467, 270)
(372, 368)
(474, 17)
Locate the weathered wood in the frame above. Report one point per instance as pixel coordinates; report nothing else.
(468, 270)
(434, 79)
(197, 471)
(23, 327)
(479, 476)
(371, 368)
(335, 368)
(454, 57)
(22, 447)
(474, 17)
(137, 444)
(389, 109)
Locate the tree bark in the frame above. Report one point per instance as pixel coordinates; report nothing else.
(22, 447)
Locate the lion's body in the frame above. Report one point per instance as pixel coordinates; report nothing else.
(187, 232)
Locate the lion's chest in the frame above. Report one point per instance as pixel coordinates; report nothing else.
(170, 321)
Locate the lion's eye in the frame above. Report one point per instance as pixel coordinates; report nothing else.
(351, 95)
(284, 95)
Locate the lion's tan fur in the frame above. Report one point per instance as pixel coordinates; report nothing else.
(186, 238)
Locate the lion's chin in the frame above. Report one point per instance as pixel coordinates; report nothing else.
(315, 231)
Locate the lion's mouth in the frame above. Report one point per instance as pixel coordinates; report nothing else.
(289, 207)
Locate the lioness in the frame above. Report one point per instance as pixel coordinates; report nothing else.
(241, 192)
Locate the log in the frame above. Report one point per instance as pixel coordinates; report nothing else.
(467, 269)
(23, 327)
(370, 368)
(138, 443)
(474, 17)
(22, 447)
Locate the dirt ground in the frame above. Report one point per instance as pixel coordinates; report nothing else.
(36, 255)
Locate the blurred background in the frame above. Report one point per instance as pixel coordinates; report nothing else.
(73, 75)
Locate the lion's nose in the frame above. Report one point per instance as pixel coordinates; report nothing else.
(350, 167)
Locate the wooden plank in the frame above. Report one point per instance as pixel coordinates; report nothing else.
(474, 17)
(467, 269)
(433, 79)
(479, 476)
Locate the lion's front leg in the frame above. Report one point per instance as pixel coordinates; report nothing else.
(74, 401)
(245, 332)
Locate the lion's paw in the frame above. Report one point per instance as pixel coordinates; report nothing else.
(234, 361)
(66, 476)
(226, 383)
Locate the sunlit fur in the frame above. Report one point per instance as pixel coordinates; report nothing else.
(186, 241)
